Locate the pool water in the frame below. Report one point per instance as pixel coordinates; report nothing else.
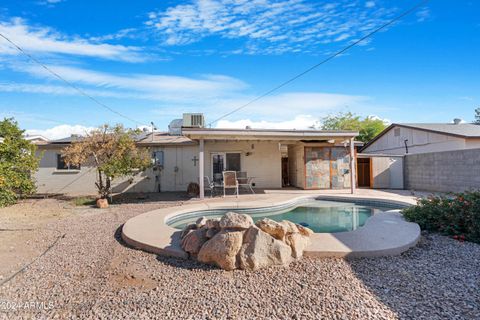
(318, 215)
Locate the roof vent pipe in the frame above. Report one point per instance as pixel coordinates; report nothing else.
(457, 121)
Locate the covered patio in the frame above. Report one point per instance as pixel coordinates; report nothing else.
(315, 159)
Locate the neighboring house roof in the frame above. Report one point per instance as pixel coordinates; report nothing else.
(461, 130)
(35, 138)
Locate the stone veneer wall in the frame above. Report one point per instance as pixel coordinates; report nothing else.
(447, 171)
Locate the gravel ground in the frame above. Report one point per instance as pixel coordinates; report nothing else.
(89, 273)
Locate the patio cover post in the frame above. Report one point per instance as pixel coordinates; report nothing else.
(201, 169)
(352, 166)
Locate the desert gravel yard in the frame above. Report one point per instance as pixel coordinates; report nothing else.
(89, 273)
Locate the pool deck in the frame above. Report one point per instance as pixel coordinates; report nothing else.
(383, 234)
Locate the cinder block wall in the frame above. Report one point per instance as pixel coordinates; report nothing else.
(447, 171)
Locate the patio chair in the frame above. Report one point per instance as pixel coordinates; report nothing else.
(244, 181)
(209, 185)
(230, 181)
(217, 179)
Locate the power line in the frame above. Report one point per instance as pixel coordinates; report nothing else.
(68, 82)
(336, 54)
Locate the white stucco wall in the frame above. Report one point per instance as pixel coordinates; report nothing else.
(50, 180)
(178, 172)
(296, 163)
(179, 169)
(264, 162)
(419, 141)
(387, 172)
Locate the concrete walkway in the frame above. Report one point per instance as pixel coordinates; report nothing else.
(383, 234)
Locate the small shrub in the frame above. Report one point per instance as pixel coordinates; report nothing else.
(457, 215)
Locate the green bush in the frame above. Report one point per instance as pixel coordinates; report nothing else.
(17, 163)
(457, 215)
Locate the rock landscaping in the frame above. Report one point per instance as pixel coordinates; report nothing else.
(91, 274)
(235, 242)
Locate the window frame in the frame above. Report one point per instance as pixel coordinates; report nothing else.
(64, 166)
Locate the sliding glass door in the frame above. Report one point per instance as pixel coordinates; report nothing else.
(224, 161)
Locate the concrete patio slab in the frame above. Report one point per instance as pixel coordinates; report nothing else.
(383, 234)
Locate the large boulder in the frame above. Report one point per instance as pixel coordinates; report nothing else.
(289, 226)
(232, 220)
(234, 241)
(222, 249)
(298, 243)
(304, 231)
(187, 229)
(260, 250)
(201, 222)
(213, 223)
(273, 228)
(194, 240)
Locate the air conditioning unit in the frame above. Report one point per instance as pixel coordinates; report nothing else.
(193, 120)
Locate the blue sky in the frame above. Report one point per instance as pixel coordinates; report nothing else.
(154, 60)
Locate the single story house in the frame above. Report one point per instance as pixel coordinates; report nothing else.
(411, 138)
(306, 159)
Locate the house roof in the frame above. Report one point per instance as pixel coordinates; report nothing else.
(189, 134)
(66, 140)
(266, 134)
(465, 130)
(163, 138)
(144, 139)
(461, 130)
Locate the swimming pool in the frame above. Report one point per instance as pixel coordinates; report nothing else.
(321, 216)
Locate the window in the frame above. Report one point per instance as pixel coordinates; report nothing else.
(223, 161)
(233, 162)
(157, 158)
(61, 165)
(396, 132)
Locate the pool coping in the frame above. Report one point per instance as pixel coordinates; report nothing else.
(383, 234)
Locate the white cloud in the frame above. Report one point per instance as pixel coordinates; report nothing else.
(49, 3)
(149, 86)
(268, 26)
(61, 131)
(300, 122)
(131, 33)
(60, 90)
(287, 105)
(48, 41)
(423, 14)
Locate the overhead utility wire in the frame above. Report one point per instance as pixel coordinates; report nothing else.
(68, 82)
(405, 13)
